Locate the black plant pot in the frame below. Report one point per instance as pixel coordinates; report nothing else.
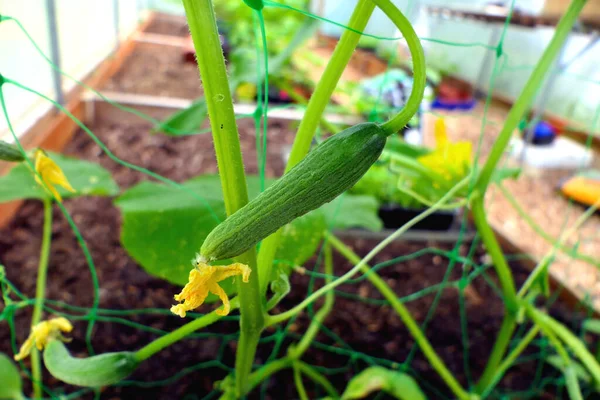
(395, 216)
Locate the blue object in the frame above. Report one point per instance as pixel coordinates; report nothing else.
(465, 105)
(543, 133)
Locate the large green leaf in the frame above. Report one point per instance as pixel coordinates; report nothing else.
(11, 387)
(87, 178)
(397, 384)
(163, 228)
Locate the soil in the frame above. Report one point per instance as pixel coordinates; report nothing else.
(171, 26)
(366, 329)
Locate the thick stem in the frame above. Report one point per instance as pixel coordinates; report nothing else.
(412, 326)
(312, 117)
(40, 294)
(203, 27)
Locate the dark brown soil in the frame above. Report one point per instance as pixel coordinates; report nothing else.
(169, 25)
(157, 70)
(368, 330)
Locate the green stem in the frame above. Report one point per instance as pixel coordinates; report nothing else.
(413, 103)
(508, 291)
(203, 27)
(297, 351)
(412, 326)
(523, 102)
(40, 294)
(180, 333)
(317, 377)
(312, 117)
(511, 358)
(578, 347)
(299, 384)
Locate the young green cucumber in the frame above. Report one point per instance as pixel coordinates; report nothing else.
(8, 152)
(97, 371)
(326, 172)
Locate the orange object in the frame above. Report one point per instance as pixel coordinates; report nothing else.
(583, 189)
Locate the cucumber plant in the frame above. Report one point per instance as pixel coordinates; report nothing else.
(312, 179)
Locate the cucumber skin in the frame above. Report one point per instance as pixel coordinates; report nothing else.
(9, 152)
(96, 371)
(325, 173)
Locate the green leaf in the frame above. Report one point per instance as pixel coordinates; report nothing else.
(11, 387)
(592, 325)
(96, 371)
(300, 239)
(187, 121)
(353, 211)
(87, 178)
(501, 174)
(396, 384)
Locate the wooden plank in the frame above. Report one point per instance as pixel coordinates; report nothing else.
(55, 129)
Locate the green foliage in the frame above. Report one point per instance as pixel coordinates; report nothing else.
(96, 371)
(88, 179)
(11, 387)
(163, 229)
(186, 121)
(397, 384)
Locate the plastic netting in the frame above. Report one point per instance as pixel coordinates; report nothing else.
(329, 342)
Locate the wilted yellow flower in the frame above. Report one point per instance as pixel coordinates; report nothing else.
(203, 279)
(450, 160)
(51, 174)
(43, 332)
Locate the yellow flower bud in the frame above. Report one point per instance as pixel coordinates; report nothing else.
(51, 174)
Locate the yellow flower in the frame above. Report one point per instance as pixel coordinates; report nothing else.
(42, 333)
(203, 279)
(246, 91)
(51, 174)
(450, 160)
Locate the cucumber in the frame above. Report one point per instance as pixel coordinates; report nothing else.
(97, 371)
(8, 152)
(326, 172)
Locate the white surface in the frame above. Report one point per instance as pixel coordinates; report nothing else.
(87, 35)
(562, 153)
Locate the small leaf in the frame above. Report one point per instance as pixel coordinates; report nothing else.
(592, 326)
(396, 384)
(11, 387)
(87, 178)
(96, 371)
(187, 121)
(501, 174)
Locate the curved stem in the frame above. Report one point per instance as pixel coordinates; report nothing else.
(412, 326)
(317, 377)
(40, 294)
(299, 384)
(203, 27)
(180, 333)
(413, 103)
(313, 115)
